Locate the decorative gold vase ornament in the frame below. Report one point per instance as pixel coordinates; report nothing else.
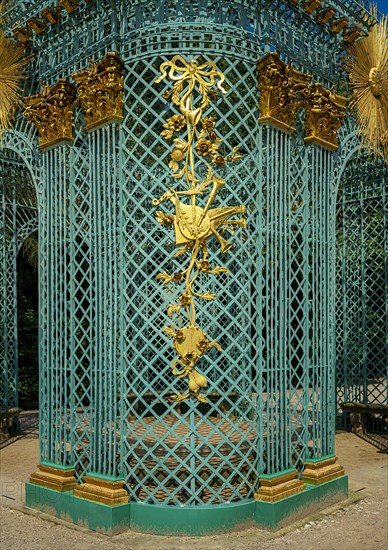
(194, 139)
(12, 62)
(367, 65)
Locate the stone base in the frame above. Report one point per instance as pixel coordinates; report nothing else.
(322, 470)
(278, 486)
(102, 489)
(53, 476)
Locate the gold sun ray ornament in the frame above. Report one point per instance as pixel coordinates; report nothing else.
(12, 62)
(367, 64)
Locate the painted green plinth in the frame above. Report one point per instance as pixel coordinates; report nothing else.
(190, 520)
(334, 491)
(109, 520)
(275, 515)
(185, 520)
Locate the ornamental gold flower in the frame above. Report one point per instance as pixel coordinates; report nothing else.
(219, 160)
(186, 299)
(213, 137)
(203, 265)
(177, 154)
(208, 123)
(176, 122)
(204, 147)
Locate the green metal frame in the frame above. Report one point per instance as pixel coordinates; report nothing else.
(104, 361)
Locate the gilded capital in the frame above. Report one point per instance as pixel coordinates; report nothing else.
(100, 91)
(281, 91)
(51, 112)
(325, 113)
(69, 5)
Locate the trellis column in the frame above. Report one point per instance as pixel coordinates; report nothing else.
(51, 111)
(280, 87)
(325, 112)
(100, 90)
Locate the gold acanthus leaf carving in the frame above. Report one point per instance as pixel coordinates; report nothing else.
(51, 112)
(100, 91)
(325, 113)
(282, 89)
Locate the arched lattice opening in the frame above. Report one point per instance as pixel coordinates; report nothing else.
(361, 275)
(18, 220)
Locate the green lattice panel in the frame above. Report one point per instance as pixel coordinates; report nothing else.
(195, 453)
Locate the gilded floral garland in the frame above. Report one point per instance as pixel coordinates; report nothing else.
(194, 139)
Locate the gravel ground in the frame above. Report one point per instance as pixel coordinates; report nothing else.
(361, 525)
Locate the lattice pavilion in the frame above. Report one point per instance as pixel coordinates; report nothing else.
(187, 349)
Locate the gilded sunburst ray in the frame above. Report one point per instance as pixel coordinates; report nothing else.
(367, 65)
(12, 62)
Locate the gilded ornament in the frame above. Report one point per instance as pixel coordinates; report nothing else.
(69, 5)
(339, 24)
(177, 154)
(219, 160)
(51, 14)
(325, 113)
(193, 225)
(51, 111)
(204, 147)
(351, 34)
(13, 60)
(281, 92)
(367, 64)
(100, 91)
(310, 6)
(22, 35)
(36, 25)
(325, 15)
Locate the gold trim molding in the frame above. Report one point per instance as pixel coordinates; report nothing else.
(322, 471)
(281, 92)
(104, 491)
(100, 91)
(57, 479)
(51, 112)
(325, 113)
(279, 487)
